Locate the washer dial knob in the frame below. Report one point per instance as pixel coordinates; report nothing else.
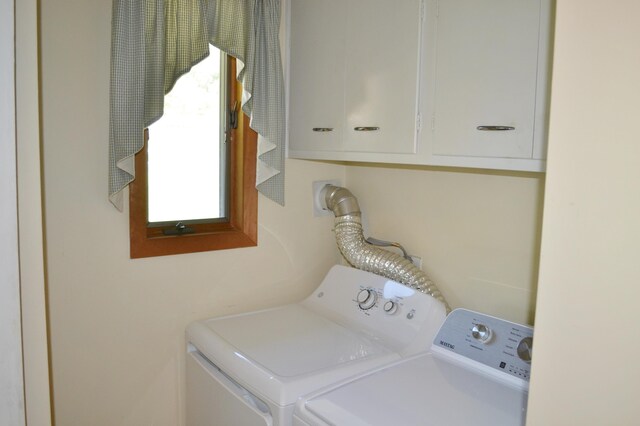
(390, 307)
(524, 349)
(481, 333)
(367, 298)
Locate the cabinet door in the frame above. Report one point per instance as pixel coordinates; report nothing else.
(382, 69)
(486, 71)
(317, 75)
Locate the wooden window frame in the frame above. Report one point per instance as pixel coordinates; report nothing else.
(240, 229)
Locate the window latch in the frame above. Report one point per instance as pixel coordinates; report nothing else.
(179, 229)
(233, 116)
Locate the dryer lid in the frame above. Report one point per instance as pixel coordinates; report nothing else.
(286, 352)
(292, 340)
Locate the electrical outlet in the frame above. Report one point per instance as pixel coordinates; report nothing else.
(319, 207)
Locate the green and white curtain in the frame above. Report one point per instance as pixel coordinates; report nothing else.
(154, 42)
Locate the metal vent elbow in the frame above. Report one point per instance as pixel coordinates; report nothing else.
(362, 255)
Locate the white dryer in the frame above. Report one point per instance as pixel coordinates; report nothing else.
(476, 374)
(249, 369)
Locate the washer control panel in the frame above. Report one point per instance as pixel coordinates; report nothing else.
(501, 345)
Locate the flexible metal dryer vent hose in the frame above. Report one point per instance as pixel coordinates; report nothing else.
(362, 255)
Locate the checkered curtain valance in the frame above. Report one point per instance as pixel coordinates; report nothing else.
(154, 42)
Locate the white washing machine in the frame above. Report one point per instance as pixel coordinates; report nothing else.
(249, 369)
(477, 373)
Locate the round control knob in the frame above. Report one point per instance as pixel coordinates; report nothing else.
(367, 298)
(481, 333)
(524, 349)
(390, 307)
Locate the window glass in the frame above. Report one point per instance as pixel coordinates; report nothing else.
(186, 148)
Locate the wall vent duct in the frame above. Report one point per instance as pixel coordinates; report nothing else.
(363, 255)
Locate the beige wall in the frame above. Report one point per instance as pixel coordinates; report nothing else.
(477, 232)
(117, 325)
(585, 363)
(12, 385)
(32, 277)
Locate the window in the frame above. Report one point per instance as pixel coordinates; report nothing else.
(187, 148)
(228, 216)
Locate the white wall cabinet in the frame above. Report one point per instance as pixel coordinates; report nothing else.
(442, 80)
(490, 88)
(354, 76)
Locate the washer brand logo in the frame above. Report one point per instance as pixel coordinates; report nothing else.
(447, 345)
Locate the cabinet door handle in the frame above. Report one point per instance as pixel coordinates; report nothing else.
(366, 128)
(495, 128)
(322, 129)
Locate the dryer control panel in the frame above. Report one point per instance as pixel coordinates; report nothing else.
(400, 318)
(498, 346)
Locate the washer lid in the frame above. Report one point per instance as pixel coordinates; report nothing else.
(286, 352)
(422, 391)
